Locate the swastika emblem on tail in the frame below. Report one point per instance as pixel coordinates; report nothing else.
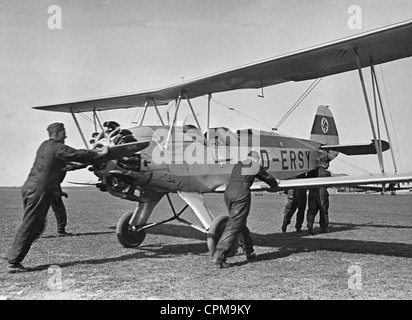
(325, 125)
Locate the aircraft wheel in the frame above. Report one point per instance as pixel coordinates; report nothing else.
(126, 234)
(215, 232)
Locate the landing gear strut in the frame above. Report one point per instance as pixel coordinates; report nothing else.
(131, 236)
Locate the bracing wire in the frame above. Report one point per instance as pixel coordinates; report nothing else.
(314, 83)
(294, 106)
(390, 116)
(240, 112)
(309, 89)
(167, 110)
(135, 117)
(86, 117)
(303, 142)
(298, 102)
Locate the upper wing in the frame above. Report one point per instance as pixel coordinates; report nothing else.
(380, 45)
(332, 181)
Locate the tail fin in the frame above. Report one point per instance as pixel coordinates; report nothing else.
(324, 128)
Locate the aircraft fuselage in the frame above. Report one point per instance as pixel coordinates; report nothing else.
(186, 162)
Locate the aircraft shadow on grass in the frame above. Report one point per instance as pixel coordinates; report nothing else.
(149, 251)
(292, 242)
(286, 244)
(373, 225)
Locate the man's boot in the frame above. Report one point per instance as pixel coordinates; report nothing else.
(15, 268)
(310, 221)
(324, 228)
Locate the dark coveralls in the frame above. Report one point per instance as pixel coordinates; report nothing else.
(296, 200)
(58, 206)
(318, 201)
(38, 191)
(238, 201)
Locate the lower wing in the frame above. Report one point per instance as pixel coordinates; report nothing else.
(335, 181)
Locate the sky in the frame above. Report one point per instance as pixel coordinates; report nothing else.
(103, 48)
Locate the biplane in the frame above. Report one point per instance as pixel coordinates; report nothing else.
(148, 162)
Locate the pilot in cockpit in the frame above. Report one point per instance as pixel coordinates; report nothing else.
(112, 128)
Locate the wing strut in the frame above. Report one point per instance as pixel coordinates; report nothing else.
(157, 111)
(209, 98)
(97, 120)
(169, 134)
(193, 111)
(375, 84)
(365, 95)
(146, 105)
(144, 111)
(78, 127)
(178, 101)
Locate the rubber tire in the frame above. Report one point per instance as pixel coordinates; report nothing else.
(127, 237)
(215, 232)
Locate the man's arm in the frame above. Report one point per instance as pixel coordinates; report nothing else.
(71, 166)
(84, 156)
(267, 177)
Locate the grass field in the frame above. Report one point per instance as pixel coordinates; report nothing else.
(367, 254)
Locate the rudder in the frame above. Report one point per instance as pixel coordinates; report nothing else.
(324, 128)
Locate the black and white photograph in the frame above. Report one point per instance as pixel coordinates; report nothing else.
(204, 156)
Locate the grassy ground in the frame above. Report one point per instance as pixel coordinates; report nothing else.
(367, 254)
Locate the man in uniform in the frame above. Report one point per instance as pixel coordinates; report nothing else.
(319, 198)
(296, 200)
(238, 201)
(38, 190)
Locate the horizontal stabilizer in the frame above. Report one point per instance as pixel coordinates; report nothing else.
(357, 149)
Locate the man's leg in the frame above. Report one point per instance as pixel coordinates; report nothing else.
(311, 214)
(302, 199)
(324, 214)
(246, 243)
(36, 208)
(60, 213)
(238, 212)
(290, 209)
